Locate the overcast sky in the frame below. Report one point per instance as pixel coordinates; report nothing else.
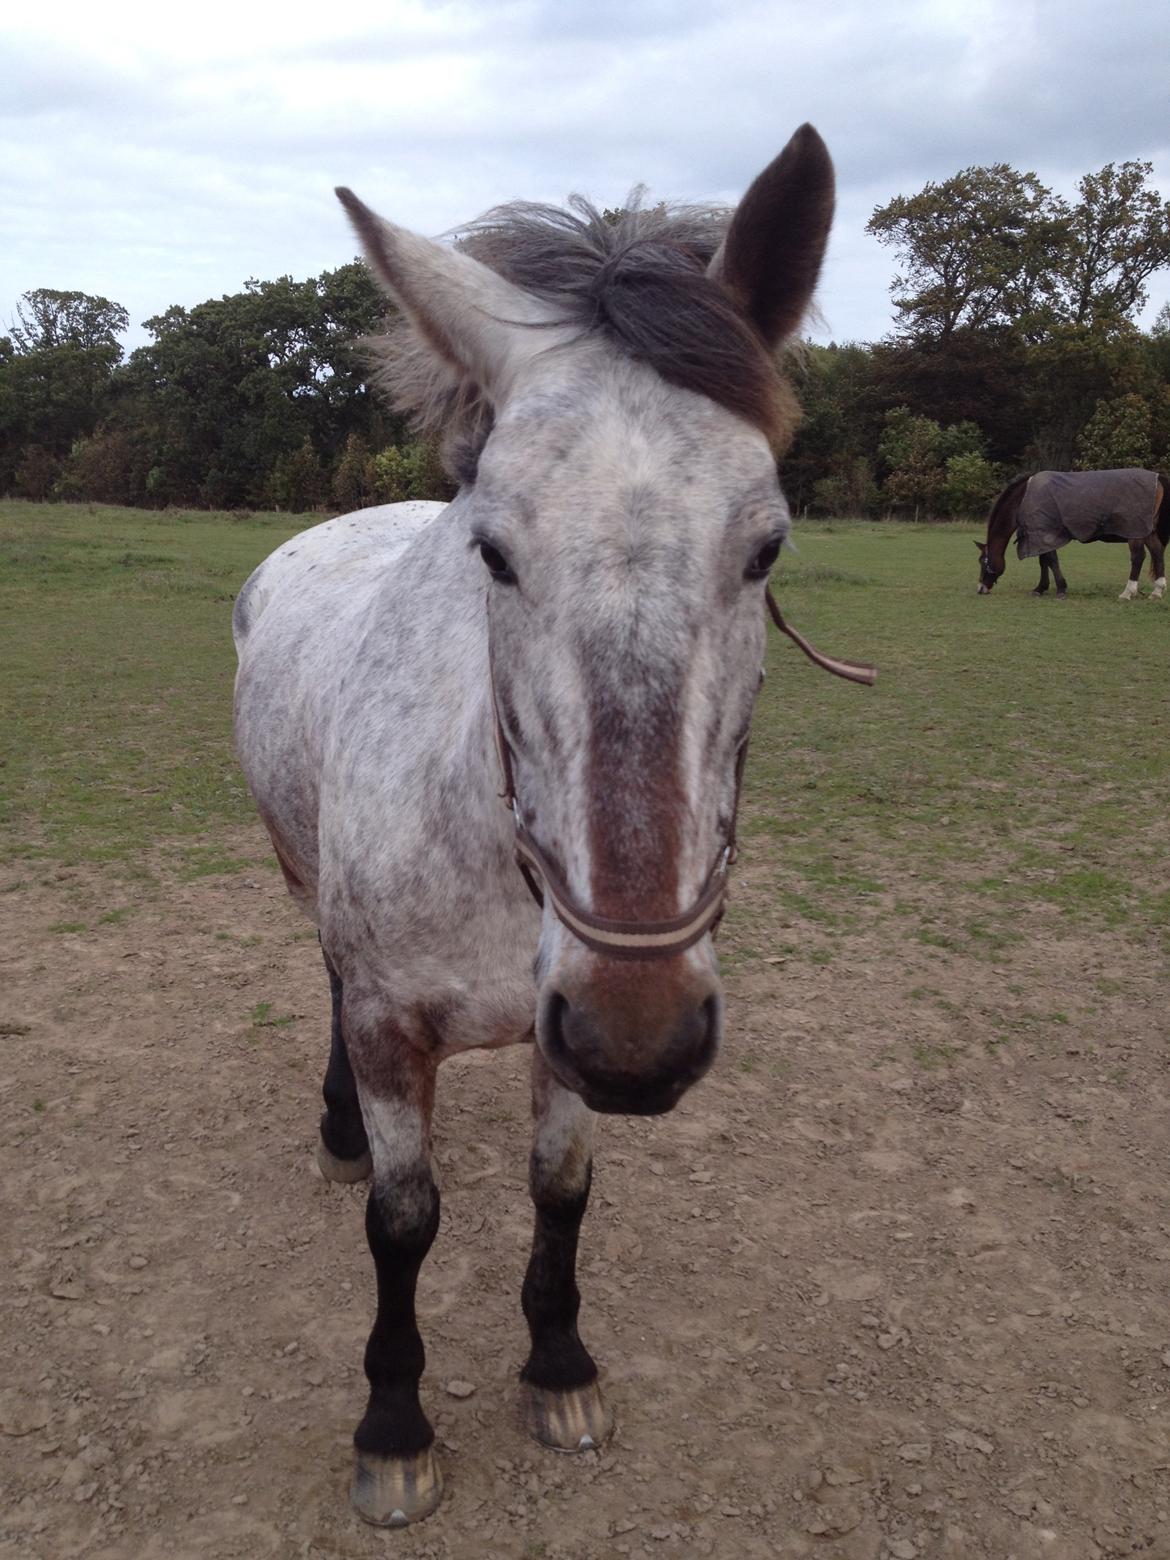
(160, 158)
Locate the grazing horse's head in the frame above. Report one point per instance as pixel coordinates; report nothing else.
(988, 570)
(613, 409)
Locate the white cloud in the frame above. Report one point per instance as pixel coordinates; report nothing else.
(162, 160)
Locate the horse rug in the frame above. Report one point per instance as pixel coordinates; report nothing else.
(1084, 506)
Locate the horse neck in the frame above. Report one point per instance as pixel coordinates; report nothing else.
(1001, 523)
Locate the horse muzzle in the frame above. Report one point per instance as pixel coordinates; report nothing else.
(633, 1047)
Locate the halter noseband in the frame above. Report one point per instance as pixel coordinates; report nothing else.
(646, 939)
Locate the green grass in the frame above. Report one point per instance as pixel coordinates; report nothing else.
(1014, 751)
(115, 644)
(262, 1017)
(1011, 761)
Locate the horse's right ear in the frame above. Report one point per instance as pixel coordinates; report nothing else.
(980, 545)
(467, 315)
(771, 258)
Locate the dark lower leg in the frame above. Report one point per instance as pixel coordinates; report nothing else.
(395, 1476)
(558, 1359)
(1061, 582)
(1137, 553)
(559, 1176)
(401, 1220)
(342, 1130)
(1042, 588)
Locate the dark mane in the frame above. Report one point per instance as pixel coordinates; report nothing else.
(639, 278)
(1004, 495)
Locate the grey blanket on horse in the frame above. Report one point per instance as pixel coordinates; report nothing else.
(1084, 506)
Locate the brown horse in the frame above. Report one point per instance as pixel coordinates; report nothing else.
(1004, 520)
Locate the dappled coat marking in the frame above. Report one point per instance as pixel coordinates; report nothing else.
(611, 408)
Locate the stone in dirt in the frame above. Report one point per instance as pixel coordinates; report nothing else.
(460, 1389)
(915, 1452)
(832, 1519)
(21, 1415)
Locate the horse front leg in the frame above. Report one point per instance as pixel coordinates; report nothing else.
(396, 1479)
(1061, 582)
(343, 1154)
(1137, 552)
(561, 1404)
(1046, 559)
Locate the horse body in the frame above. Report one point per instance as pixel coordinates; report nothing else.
(405, 866)
(1004, 521)
(583, 628)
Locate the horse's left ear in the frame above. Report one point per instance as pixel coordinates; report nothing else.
(980, 545)
(771, 258)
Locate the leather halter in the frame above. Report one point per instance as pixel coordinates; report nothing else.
(646, 939)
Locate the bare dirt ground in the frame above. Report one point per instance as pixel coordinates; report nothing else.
(891, 1283)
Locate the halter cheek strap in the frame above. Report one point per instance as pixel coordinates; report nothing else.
(646, 939)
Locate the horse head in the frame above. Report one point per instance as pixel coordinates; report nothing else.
(988, 571)
(613, 406)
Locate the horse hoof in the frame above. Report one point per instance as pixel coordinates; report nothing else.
(395, 1491)
(345, 1171)
(573, 1421)
(1062, 595)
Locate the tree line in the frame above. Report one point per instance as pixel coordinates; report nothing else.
(258, 399)
(1014, 347)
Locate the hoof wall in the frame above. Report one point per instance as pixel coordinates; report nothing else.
(347, 1172)
(395, 1491)
(573, 1421)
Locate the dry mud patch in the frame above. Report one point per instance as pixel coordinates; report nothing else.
(891, 1283)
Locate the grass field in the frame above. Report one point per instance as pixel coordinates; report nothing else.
(1014, 749)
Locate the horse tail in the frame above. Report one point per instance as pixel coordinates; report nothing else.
(1162, 519)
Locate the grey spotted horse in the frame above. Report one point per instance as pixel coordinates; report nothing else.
(581, 632)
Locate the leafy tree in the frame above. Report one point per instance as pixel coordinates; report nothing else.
(1115, 238)
(911, 448)
(931, 467)
(48, 318)
(298, 482)
(235, 385)
(842, 417)
(849, 489)
(1068, 374)
(37, 472)
(50, 398)
(354, 477)
(56, 377)
(105, 469)
(976, 250)
(1117, 434)
(970, 482)
(412, 471)
(979, 377)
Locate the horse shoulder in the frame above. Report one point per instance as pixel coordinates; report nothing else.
(347, 546)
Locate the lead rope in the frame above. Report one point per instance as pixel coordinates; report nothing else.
(648, 939)
(852, 671)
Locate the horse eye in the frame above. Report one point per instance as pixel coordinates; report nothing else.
(497, 565)
(764, 559)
